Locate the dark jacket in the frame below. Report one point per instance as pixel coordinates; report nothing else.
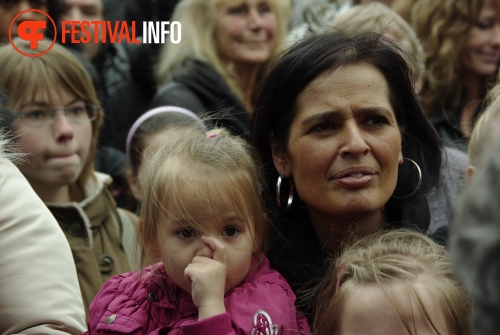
(447, 125)
(124, 95)
(199, 88)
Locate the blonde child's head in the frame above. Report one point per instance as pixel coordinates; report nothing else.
(408, 272)
(193, 180)
(484, 130)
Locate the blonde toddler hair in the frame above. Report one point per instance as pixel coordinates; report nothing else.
(391, 260)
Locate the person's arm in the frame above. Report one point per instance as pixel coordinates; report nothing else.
(264, 305)
(39, 292)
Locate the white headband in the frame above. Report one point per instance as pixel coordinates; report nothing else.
(155, 111)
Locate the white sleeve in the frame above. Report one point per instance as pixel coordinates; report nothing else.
(39, 292)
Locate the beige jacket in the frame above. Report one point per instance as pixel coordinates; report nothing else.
(94, 229)
(39, 292)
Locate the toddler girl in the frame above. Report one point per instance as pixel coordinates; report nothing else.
(202, 216)
(396, 282)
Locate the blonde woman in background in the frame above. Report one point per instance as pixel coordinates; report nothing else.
(226, 48)
(461, 41)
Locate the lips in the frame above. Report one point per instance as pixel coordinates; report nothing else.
(61, 155)
(62, 158)
(490, 57)
(357, 177)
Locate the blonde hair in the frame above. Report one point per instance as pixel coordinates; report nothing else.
(24, 78)
(392, 259)
(197, 21)
(377, 17)
(485, 128)
(195, 165)
(443, 27)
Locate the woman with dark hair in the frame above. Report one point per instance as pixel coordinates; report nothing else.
(346, 149)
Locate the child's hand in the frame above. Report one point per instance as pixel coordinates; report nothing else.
(208, 278)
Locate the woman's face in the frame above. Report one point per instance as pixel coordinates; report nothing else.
(58, 149)
(344, 144)
(480, 54)
(245, 30)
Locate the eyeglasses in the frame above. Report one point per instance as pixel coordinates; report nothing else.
(35, 116)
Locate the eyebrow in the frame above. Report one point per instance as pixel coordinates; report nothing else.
(329, 115)
(45, 104)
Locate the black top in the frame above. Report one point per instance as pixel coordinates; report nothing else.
(198, 87)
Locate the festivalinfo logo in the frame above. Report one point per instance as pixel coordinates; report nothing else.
(75, 32)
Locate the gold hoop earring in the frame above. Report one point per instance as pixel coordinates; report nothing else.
(290, 193)
(419, 180)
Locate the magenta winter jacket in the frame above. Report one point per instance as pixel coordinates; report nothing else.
(263, 304)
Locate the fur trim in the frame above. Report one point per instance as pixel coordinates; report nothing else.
(8, 148)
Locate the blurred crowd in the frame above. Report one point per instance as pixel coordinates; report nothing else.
(356, 140)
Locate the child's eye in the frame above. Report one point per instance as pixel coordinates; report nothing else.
(185, 233)
(231, 231)
(36, 115)
(77, 111)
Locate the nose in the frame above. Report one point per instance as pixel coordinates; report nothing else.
(255, 19)
(63, 129)
(204, 250)
(353, 143)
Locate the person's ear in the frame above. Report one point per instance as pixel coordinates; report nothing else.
(279, 157)
(468, 174)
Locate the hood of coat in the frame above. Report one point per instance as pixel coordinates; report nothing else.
(7, 140)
